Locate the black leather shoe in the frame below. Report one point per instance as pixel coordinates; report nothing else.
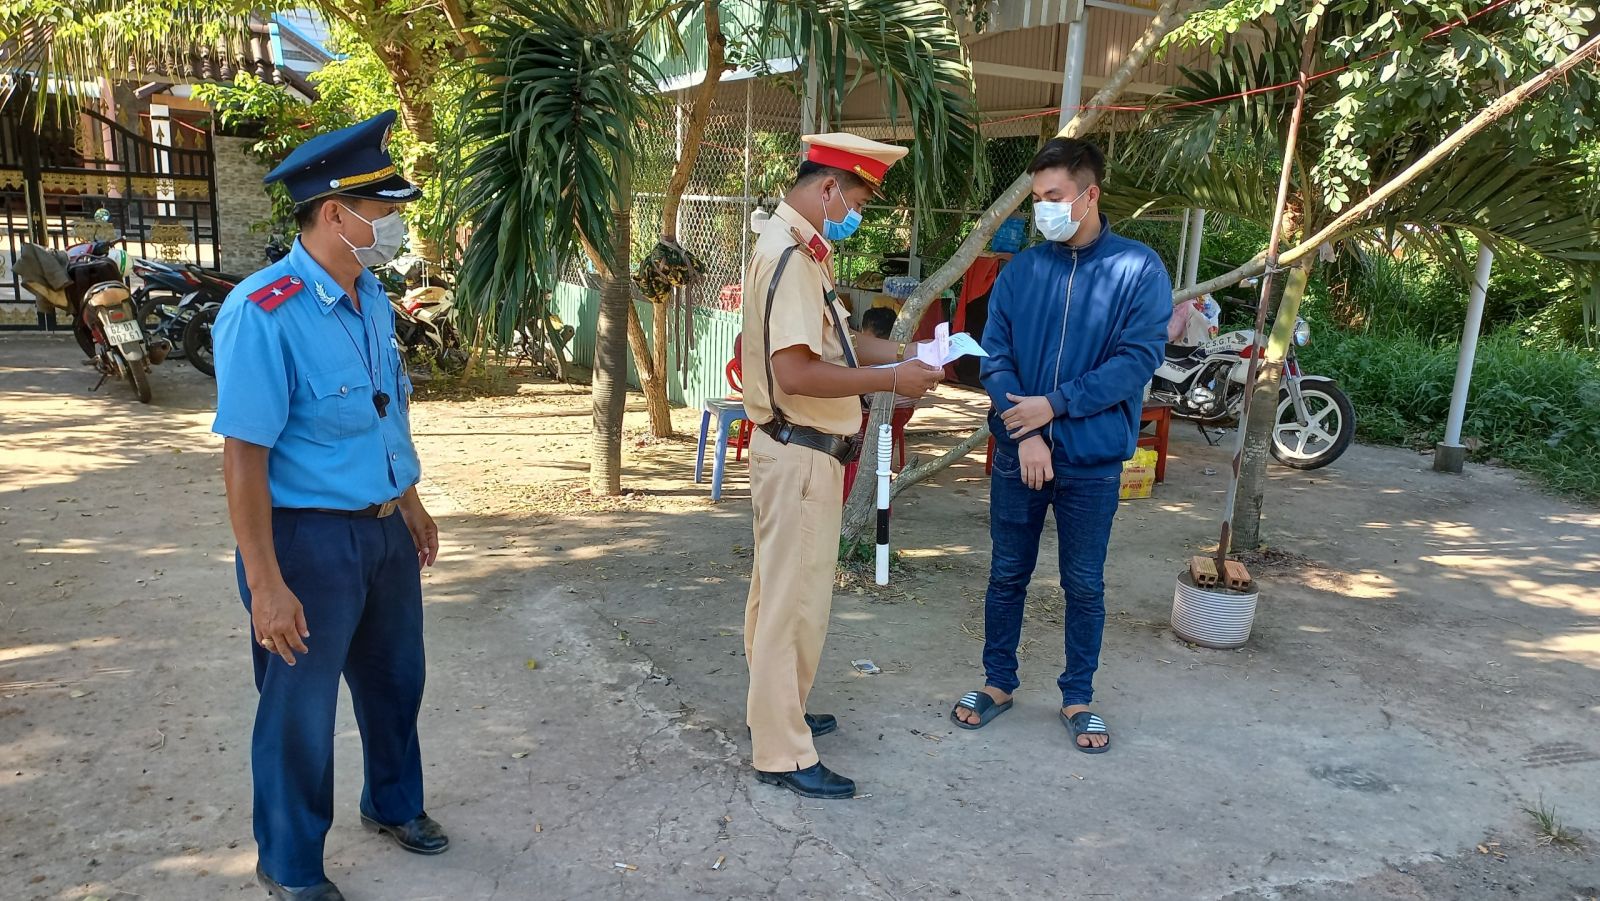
(816, 781)
(821, 723)
(322, 891)
(423, 835)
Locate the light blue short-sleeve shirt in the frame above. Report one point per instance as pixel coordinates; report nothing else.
(298, 375)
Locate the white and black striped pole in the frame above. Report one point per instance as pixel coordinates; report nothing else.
(885, 446)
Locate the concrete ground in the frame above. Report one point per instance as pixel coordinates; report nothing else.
(1425, 665)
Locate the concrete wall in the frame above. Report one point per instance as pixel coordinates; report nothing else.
(241, 202)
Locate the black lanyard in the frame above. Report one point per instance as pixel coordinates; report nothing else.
(369, 360)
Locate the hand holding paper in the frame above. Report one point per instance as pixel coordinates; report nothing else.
(946, 348)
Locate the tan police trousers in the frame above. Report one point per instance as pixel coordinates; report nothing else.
(798, 497)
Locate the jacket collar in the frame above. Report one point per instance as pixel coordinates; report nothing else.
(1092, 247)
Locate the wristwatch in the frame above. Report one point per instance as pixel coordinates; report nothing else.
(900, 353)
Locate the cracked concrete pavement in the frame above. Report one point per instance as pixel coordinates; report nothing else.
(1426, 664)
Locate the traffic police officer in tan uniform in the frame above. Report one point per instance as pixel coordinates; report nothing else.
(804, 374)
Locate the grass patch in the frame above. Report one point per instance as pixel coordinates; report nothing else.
(1549, 829)
(1535, 409)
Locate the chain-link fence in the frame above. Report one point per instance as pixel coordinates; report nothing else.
(747, 159)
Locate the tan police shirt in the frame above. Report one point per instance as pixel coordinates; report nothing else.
(800, 317)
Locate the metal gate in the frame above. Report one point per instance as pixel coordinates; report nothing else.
(57, 172)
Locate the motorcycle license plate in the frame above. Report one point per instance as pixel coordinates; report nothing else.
(123, 332)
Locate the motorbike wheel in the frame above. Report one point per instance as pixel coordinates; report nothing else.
(84, 337)
(136, 374)
(197, 341)
(1325, 438)
(160, 317)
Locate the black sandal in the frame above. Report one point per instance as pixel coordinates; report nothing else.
(1085, 723)
(981, 703)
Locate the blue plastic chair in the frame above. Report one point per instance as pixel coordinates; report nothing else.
(728, 410)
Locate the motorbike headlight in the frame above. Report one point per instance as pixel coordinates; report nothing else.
(1302, 333)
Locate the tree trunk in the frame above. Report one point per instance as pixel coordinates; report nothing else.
(652, 367)
(859, 507)
(661, 333)
(610, 391)
(412, 77)
(1248, 468)
(1264, 415)
(650, 357)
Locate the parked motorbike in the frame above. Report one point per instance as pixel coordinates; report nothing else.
(423, 301)
(423, 328)
(165, 300)
(197, 310)
(207, 303)
(1315, 421)
(104, 320)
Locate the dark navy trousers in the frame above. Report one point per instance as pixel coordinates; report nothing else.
(361, 588)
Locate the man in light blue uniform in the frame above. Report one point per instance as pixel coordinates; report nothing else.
(314, 402)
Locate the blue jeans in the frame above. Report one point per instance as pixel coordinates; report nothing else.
(1084, 510)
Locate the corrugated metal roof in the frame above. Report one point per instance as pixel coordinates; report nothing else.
(1019, 62)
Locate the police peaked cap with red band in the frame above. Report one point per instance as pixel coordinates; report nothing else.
(353, 161)
(868, 160)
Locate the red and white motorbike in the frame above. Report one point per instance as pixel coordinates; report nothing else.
(1315, 422)
(104, 320)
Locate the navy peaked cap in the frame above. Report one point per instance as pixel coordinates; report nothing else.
(354, 161)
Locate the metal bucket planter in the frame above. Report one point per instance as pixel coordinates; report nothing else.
(1212, 618)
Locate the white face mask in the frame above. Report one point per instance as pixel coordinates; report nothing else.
(1054, 218)
(388, 236)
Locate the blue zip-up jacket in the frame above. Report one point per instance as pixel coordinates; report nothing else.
(1086, 328)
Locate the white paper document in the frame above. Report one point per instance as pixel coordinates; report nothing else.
(945, 348)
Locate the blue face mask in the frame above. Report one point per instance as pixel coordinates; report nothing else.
(837, 230)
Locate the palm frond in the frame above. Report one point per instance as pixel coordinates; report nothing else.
(914, 48)
(1487, 191)
(1227, 184)
(1227, 103)
(538, 156)
(54, 45)
(1484, 190)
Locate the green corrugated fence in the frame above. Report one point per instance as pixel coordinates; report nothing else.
(706, 375)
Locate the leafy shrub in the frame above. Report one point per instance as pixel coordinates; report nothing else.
(1532, 408)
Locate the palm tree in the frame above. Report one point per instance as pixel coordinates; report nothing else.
(549, 146)
(1204, 147)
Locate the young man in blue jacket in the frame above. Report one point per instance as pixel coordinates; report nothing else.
(1076, 328)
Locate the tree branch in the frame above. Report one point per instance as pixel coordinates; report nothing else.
(911, 475)
(458, 24)
(694, 129)
(1351, 219)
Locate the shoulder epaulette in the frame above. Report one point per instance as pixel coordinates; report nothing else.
(816, 248)
(270, 297)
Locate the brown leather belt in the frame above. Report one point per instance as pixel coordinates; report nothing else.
(376, 511)
(836, 446)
